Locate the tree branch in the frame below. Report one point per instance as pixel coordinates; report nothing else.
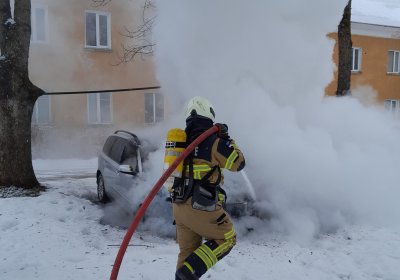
(22, 36)
(5, 15)
(141, 37)
(143, 44)
(98, 3)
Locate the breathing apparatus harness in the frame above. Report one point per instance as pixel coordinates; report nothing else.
(205, 195)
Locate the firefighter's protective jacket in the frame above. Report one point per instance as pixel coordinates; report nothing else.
(215, 151)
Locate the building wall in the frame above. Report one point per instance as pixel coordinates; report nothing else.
(63, 63)
(374, 63)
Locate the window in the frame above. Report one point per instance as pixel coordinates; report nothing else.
(108, 145)
(153, 108)
(39, 23)
(392, 106)
(98, 29)
(41, 110)
(393, 62)
(129, 156)
(99, 108)
(117, 149)
(356, 60)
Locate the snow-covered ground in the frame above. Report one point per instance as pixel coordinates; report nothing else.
(59, 235)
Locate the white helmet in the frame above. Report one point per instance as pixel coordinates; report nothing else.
(200, 107)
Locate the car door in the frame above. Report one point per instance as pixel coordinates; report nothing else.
(112, 165)
(106, 165)
(125, 180)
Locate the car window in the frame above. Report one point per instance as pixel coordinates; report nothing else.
(129, 156)
(117, 149)
(107, 146)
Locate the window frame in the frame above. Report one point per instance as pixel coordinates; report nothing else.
(98, 109)
(393, 62)
(35, 113)
(129, 146)
(34, 33)
(117, 150)
(98, 46)
(155, 120)
(394, 110)
(359, 57)
(108, 145)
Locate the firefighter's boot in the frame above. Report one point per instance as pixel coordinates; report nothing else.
(184, 273)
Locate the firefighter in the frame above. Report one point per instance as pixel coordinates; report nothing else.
(198, 200)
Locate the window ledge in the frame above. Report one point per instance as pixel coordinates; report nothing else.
(356, 72)
(39, 42)
(97, 49)
(99, 124)
(393, 74)
(42, 125)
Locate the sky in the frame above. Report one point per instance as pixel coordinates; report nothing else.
(382, 12)
(316, 163)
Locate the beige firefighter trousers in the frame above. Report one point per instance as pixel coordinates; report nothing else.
(193, 225)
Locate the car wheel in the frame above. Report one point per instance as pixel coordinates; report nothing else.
(101, 190)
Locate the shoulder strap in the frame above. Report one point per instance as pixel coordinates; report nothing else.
(208, 175)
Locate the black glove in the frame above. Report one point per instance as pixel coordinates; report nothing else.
(222, 131)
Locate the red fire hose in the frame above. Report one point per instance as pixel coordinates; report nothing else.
(149, 198)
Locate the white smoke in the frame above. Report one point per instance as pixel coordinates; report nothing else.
(316, 162)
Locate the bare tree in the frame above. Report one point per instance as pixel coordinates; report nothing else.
(141, 37)
(345, 52)
(17, 96)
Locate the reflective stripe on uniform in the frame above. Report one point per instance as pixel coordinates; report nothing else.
(197, 169)
(227, 245)
(172, 153)
(189, 266)
(207, 256)
(209, 253)
(221, 249)
(206, 260)
(231, 159)
(229, 234)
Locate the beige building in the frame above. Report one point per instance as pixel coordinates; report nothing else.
(376, 62)
(75, 46)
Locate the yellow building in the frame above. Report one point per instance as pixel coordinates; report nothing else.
(75, 46)
(376, 63)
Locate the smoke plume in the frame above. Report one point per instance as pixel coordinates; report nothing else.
(317, 163)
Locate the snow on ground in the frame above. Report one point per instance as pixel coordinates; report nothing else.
(58, 235)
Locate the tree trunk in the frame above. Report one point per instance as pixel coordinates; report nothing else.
(345, 52)
(17, 97)
(15, 142)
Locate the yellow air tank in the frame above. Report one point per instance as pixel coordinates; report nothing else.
(174, 147)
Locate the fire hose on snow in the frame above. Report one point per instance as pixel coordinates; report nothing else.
(140, 213)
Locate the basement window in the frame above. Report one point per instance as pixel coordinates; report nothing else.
(153, 108)
(99, 108)
(41, 111)
(392, 106)
(356, 60)
(98, 30)
(39, 23)
(393, 62)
